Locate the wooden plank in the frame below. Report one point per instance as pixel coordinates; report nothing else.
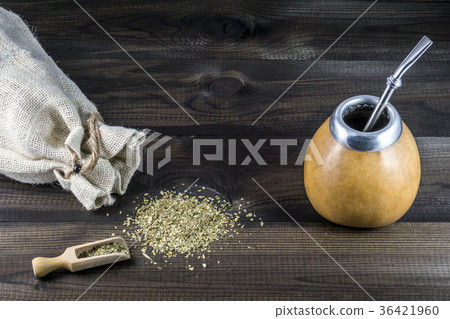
(126, 96)
(184, 48)
(286, 29)
(20, 202)
(401, 262)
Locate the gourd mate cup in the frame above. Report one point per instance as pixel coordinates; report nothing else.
(371, 172)
(368, 179)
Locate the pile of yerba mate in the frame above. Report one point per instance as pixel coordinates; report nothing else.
(177, 223)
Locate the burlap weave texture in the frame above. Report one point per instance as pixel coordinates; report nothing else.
(43, 116)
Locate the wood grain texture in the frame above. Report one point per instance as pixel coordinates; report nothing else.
(226, 62)
(403, 262)
(188, 44)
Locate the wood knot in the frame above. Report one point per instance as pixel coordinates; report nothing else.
(224, 28)
(42, 285)
(225, 86)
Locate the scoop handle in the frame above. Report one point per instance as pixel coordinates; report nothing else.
(42, 265)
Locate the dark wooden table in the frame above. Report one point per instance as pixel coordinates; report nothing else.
(226, 62)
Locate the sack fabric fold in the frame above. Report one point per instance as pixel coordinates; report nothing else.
(43, 121)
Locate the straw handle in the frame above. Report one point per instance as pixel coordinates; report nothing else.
(394, 81)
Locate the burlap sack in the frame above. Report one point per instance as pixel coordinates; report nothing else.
(45, 127)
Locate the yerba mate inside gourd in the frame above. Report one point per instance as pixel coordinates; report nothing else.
(357, 116)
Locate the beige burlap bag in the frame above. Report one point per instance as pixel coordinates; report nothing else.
(50, 131)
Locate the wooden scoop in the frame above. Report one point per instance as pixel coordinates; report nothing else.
(70, 261)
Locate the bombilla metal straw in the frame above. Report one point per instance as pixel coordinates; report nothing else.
(394, 81)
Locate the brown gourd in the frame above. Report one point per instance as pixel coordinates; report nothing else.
(362, 188)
